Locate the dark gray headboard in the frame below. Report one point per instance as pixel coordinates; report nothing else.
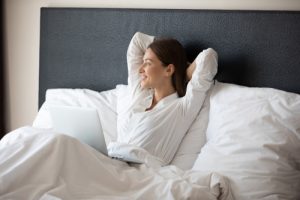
(86, 47)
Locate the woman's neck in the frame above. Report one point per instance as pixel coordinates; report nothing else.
(159, 94)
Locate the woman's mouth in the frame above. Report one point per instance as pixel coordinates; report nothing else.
(143, 77)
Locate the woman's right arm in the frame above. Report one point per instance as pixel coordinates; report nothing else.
(135, 54)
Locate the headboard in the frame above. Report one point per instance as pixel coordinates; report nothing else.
(86, 47)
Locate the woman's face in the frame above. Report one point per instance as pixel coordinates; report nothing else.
(152, 71)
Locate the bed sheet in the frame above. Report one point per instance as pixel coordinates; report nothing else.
(40, 164)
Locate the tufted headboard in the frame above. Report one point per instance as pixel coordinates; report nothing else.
(86, 47)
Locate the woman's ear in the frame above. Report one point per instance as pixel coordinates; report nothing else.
(170, 69)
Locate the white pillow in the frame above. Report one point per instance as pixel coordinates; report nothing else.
(194, 139)
(105, 102)
(254, 139)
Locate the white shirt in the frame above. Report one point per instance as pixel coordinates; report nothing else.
(154, 136)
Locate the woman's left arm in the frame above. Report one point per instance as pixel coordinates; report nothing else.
(201, 74)
(190, 70)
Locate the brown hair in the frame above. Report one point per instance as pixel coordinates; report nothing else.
(170, 51)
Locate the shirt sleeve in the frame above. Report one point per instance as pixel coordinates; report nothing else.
(135, 54)
(200, 83)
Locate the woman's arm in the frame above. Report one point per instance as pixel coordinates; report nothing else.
(190, 70)
(201, 74)
(135, 54)
(206, 56)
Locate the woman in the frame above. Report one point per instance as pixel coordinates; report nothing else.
(154, 117)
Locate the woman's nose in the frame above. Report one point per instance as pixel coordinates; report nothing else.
(141, 69)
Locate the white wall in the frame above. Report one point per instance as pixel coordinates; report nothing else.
(22, 42)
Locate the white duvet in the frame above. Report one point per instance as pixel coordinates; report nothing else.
(39, 164)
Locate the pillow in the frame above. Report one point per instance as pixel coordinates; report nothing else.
(254, 139)
(194, 139)
(105, 102)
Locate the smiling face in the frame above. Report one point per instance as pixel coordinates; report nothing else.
(153, 73)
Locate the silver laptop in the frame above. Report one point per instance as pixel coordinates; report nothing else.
(81, 123)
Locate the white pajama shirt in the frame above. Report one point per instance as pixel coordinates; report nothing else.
(154, 136)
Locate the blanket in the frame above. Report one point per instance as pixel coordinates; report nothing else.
(41, 164)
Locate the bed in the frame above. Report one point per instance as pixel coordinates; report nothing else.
(244, 144)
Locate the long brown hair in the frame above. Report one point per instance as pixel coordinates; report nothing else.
(170, 51)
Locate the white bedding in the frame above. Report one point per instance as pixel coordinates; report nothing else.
(39, 164)
(253, 138)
